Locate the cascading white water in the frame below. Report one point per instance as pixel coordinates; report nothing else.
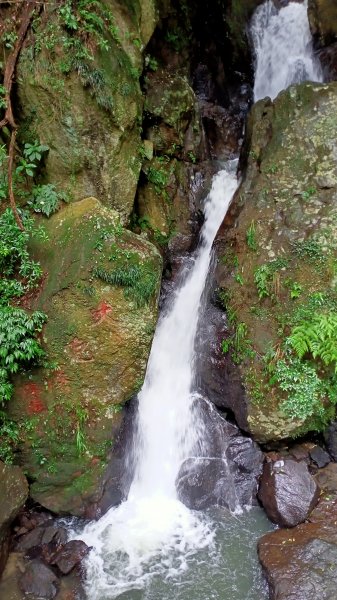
(152, 530)
(283, 48)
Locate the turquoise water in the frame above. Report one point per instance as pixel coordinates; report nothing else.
(228, 570)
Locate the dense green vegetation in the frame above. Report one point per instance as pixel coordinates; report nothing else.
(303, 363)
(19, 346)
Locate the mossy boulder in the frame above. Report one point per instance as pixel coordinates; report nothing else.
(100, 293)
(86, 104)
(171, 111)
(277, 265)
(164, 213)
(13, 494)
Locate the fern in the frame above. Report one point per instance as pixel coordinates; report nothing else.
(317, 337)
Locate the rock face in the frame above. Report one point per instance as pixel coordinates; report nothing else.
(330, 436)
(88, 110)
(13, 494)
(323, 24)
(288, 492)
(273, 271)
(226, 470)
(323, 20)
(301, 563)
(98, 336)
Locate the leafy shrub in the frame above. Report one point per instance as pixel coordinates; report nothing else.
(263, 276)
(19, 273)
(18, 344)
(306, 391)
(46, 199)
(18, 329)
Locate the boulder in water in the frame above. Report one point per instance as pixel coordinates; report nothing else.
(204, 482)
(301, 564)
(288, 492)
(69, 556)
(227, 471)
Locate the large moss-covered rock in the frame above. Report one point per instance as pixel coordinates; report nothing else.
(87, 105)
(98, 337)
(171, 110)
(277, 265)
(13, 494)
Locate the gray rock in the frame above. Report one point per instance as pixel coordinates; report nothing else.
(204, 482)
(330, 436)
(319, 457)
(288, 492)
(70, 555)
(39, 581)
(224, 470)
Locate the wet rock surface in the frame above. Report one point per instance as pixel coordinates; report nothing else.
(225, 472)
(300, 564)
(218, 378)
(326, 478)
(39, 581)
(287, 492)
(330, 437)
(69, 556)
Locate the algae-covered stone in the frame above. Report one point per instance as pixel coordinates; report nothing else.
(98, 337)
(171, 108)
(13, 495)
(87, 106)
(276, 267)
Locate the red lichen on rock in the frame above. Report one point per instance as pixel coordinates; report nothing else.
(33, 393)
(100, 313)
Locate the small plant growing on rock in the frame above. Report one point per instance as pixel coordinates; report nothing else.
(251, 237)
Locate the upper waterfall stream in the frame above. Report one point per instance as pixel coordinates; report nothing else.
(283, 48)
(152, 534)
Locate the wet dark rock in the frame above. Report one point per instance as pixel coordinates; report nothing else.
(301, 452)
(328, 59)
(245, 460)
(224, 470)
(301, 564)
(39, 581)
(54, 534)
(218, 378)
(13, 494)
(69, 556)
(204, 482)
(30, 520)
(330, 437)
(30, 540)
(327, 478)
(319, 457)
(287, 492)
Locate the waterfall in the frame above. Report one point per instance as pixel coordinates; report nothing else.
(152, 529)
(283, 48)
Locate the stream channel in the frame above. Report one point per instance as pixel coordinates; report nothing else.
(153, 546)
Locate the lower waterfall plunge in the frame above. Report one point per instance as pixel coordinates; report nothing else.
(152, 534)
